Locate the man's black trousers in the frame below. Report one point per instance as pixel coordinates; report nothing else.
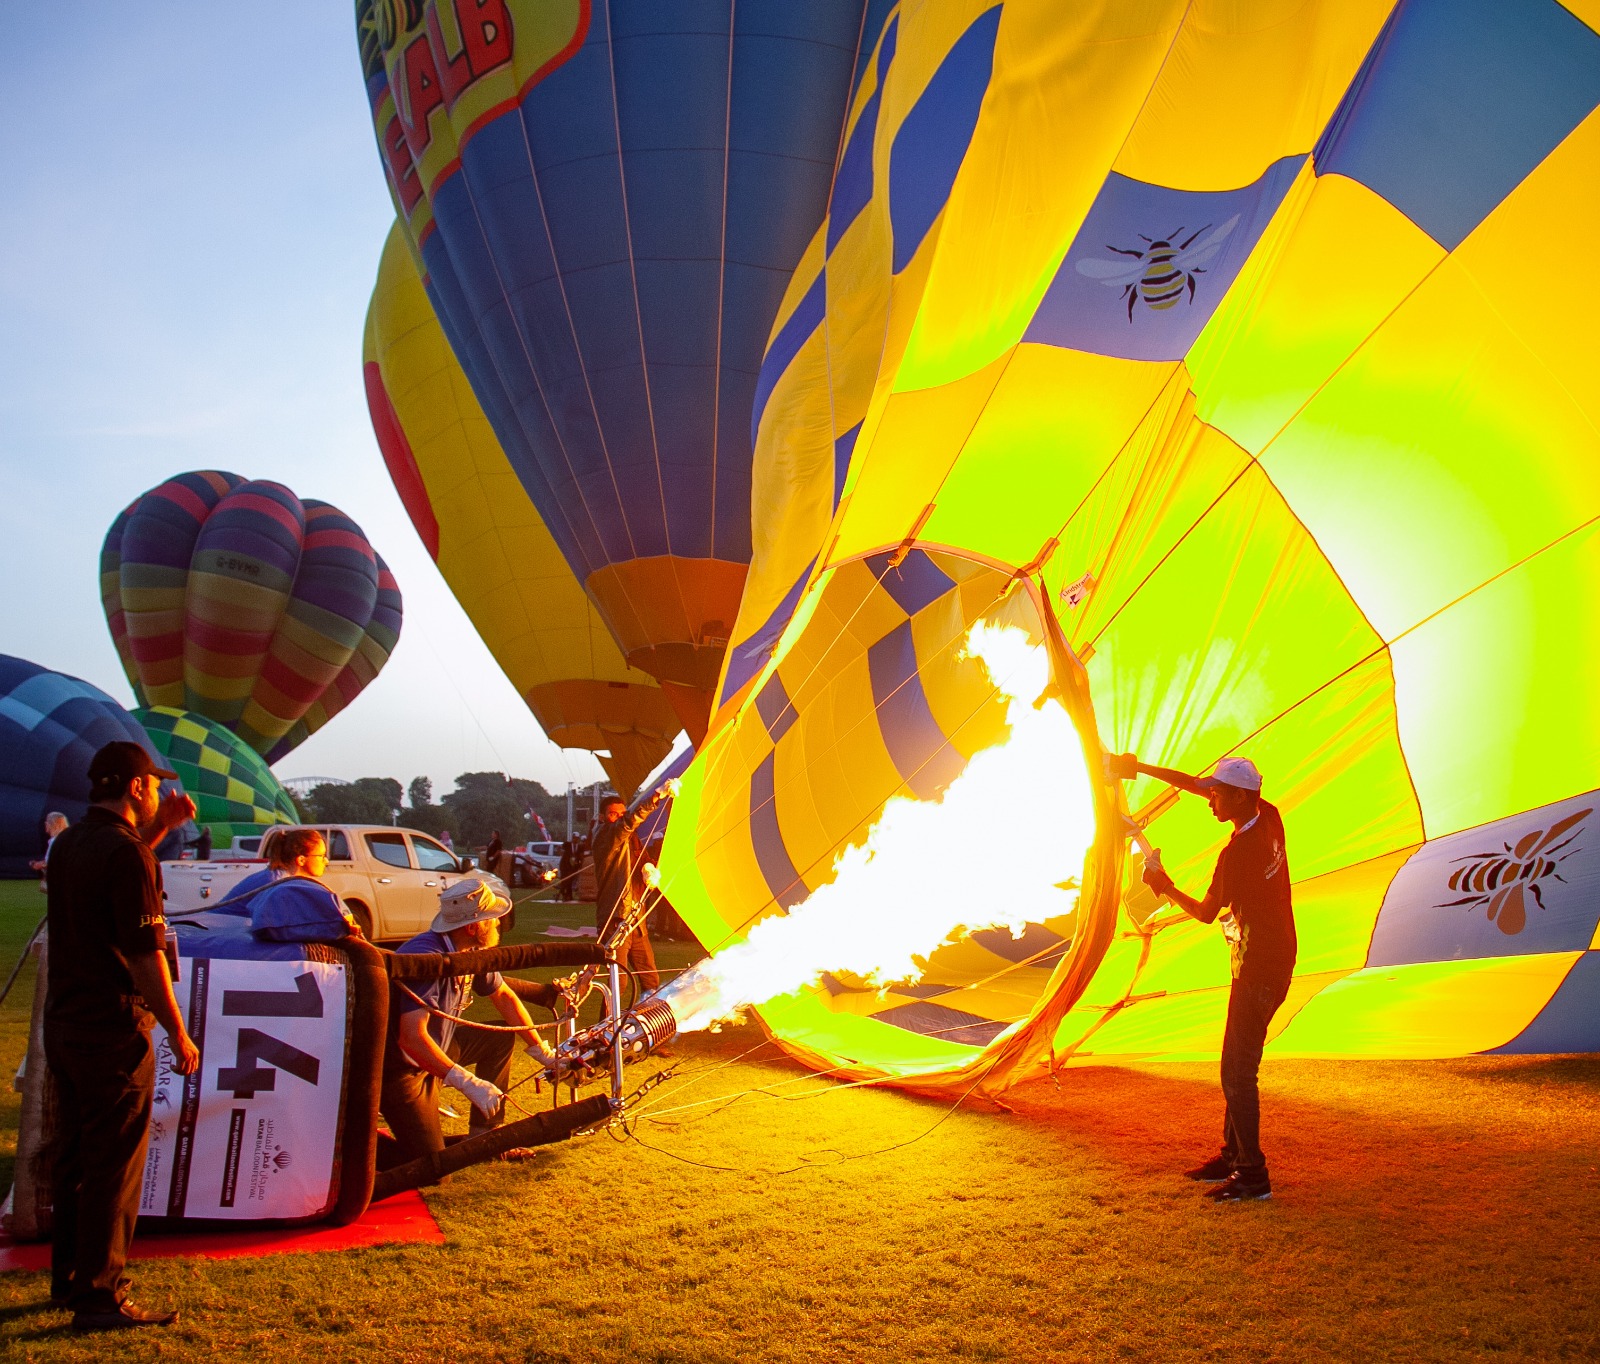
(409, 1100)
(104, 1085)
(1250, 1010)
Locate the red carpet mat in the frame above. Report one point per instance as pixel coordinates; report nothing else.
(405, 1217)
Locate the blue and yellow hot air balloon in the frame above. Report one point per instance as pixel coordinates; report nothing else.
(606, 203)
(1212, 343)
(491, 544)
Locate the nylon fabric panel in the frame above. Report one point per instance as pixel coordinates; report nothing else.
(1432, 1009)
(1068, 82)
(1242, 619)
(1162, 481)
(1568, 1022)
(1056, 420)
(1244, 85)
(1449, 413)
(920, 436)
(1336, 262)
(1495, 695)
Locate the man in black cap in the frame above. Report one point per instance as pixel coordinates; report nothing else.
(108, 983)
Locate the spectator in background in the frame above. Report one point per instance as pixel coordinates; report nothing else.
(491, 853)
(54, 823)
(567, 871)
(202, 845)
(448, 842)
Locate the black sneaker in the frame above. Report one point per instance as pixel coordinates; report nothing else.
(1240, 1186)
(1214, 1171)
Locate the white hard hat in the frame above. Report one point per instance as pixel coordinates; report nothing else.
(1240, 772)
(470, 900)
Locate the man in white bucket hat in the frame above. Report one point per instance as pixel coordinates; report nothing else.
(1252, 882)
(426, 1048)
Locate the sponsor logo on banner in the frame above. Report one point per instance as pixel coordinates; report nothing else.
(254, 1132)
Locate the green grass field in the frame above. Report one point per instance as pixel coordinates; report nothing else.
(1437, 1211)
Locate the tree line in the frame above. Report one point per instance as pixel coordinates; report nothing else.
(481, 803)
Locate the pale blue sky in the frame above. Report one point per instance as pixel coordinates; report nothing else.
(192, 214)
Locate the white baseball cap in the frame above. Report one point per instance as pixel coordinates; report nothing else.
(471, 900)
(1240, 772)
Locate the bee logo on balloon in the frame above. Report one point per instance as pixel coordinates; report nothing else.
(1504, 879)
(1161, 271)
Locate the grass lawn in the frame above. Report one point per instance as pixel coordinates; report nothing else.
(1424, 1211)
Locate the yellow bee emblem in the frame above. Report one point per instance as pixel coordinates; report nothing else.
(1506, 878)
(1163, 269)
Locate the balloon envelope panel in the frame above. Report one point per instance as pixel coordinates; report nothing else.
(234, 792)
(607, 202)
(1249, 374)
(51, 725)
(490, 542)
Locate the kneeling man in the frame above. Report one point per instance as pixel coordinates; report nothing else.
(427, 1048)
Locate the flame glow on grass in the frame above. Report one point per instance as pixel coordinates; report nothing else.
(991, 853)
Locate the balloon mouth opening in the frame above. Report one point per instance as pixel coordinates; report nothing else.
(931, 696)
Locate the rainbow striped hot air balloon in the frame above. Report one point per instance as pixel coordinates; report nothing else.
(238, 602)
(607, 202)
(1208, 351)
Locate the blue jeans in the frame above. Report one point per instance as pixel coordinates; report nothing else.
(1250, 1010)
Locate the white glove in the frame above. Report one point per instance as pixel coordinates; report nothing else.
(670, 788)
(540, 1056)
(485, 1097)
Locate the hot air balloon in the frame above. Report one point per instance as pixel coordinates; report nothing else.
(234, 792)
(491, 544)
(240, 603)
(1207, 351)
(606, 203)
(51, 725)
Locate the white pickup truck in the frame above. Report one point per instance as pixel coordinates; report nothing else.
(389, 878)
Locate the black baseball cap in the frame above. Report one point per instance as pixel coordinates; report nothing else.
(117, 764)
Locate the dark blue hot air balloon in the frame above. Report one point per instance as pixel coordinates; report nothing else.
(50, 727)
(608, 201)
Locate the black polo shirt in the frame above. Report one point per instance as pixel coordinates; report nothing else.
(104, 907)
(1252, 879)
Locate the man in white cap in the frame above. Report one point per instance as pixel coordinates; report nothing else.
(425, 1046)
(1251, 881)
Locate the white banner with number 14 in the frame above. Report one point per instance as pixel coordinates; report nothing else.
(255, 1131)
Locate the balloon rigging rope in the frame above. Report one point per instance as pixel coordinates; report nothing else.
(630, 1132)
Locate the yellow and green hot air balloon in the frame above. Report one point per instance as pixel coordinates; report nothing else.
(1212, 339)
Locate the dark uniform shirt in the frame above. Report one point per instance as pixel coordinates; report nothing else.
(104, 907)
(618, 864)
(1252, 879)
(451, 995)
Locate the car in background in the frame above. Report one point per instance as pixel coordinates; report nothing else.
(537, 863)
(388, 878)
